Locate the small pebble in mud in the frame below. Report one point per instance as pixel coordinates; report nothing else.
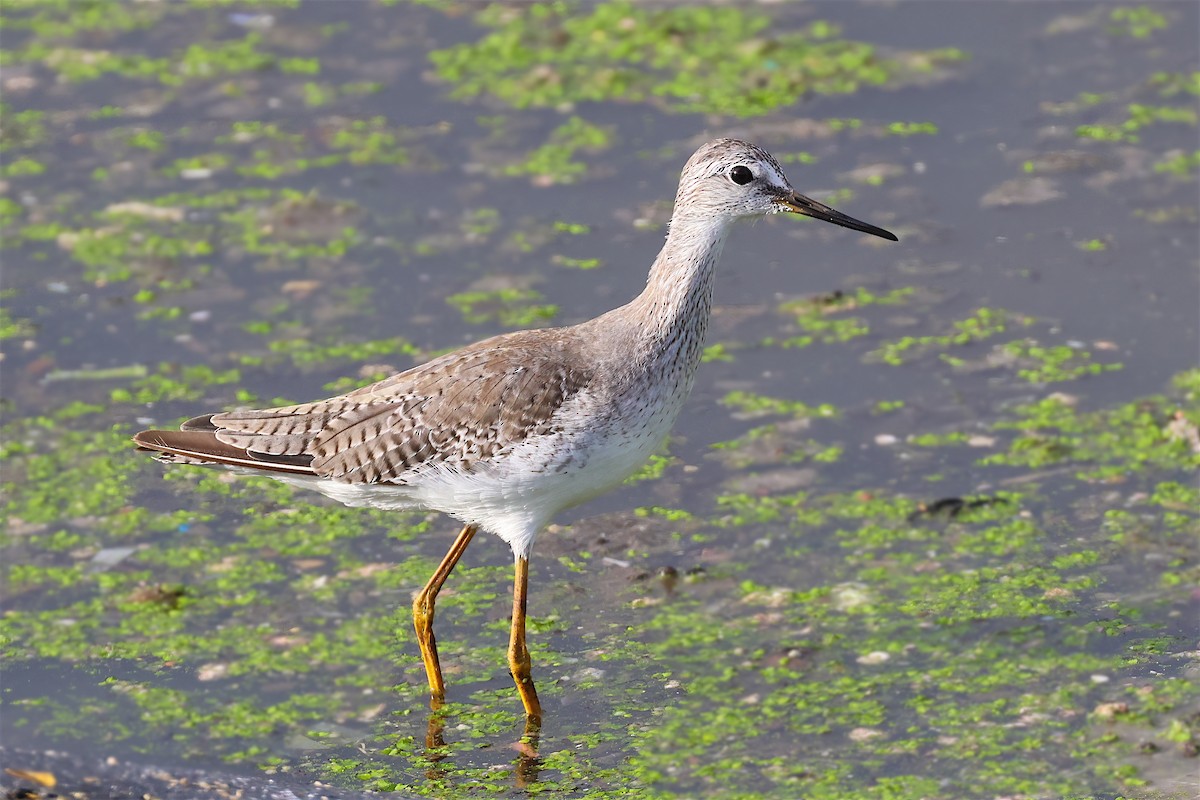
(111, 556)
(585, 674)
(299, 289)
(864, 734)
(846, 596)
(253, 21)
(874, 657)
(212, 672)
(1064, 398)
(1110, 710)
(885, 440)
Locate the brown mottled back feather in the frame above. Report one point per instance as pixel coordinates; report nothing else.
(459, 409)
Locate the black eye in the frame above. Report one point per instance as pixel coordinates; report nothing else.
(741, 175)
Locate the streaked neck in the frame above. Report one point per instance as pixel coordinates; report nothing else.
(677, 300)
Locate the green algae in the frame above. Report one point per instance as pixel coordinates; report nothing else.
(63, 18)
(751, 405)
(22, 167)
(14, 327)
(653, 469)
(983, 324)
(305, 353)
(1138, 22)
(711, 60)
(1170, 84)
(275, 152)
(576, 263)
(172, 382)
(1138, 117)
(1181, 166)
(513, 308)
(146, 242)
(195, 62)
(1127, 123)
(1054, 364)
(792, 693)
(1153, 432)
(910, 128)
(21, 129)
(554, 162)
(10, 211)
(819, 318)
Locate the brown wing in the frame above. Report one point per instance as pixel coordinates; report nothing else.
(461, 408)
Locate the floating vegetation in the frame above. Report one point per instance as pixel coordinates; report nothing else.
(910, 128)
(512, 308)
(983, 324)
(709, 60)
(1181, 165)
(817, 316)
(554, 161)
(751, 405)
(1053, 364)
(1137, 21)
(1138, 117)
(1105, 445)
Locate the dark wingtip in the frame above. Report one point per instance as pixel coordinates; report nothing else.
(149, 440)
(191, 444)
(203, 447)
(201, 423)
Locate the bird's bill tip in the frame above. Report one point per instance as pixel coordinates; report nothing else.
(797, 203)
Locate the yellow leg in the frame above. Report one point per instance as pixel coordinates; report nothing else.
(518, 653)
(423, 605)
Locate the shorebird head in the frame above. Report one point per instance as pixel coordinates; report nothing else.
(729, 179)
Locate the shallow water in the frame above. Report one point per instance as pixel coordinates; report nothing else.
(208, 206)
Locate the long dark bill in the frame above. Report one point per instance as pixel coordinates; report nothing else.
(800, 204)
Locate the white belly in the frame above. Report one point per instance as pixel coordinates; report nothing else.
(517, 493)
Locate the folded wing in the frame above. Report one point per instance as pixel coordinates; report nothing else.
(459, 410)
